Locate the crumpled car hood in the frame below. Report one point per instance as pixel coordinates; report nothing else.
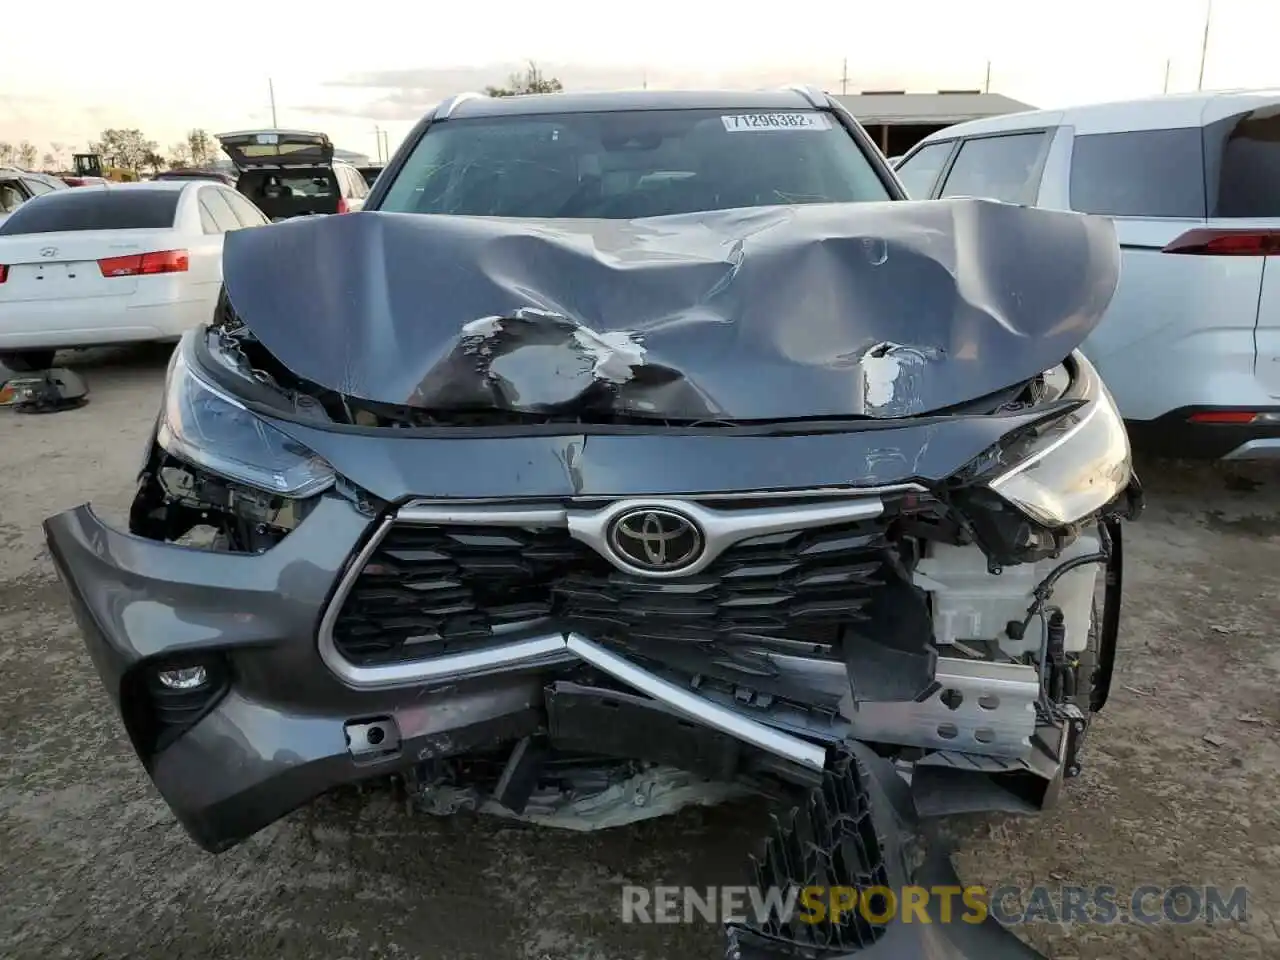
(833, 310)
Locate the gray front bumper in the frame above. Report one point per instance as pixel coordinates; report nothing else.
(278, 737)
(291, 723)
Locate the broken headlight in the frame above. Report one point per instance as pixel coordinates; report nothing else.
(203, 425)
(1072, 466)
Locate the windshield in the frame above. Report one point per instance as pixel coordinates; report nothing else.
(631, 164)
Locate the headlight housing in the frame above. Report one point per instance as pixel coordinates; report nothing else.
(1072, 466)
(203, 425)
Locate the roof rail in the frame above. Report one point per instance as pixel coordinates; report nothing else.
(815, 96)
(445, 109)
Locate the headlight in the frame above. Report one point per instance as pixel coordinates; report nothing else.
(204, 426)
(1073, 466)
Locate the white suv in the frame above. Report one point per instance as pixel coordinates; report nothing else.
(1190, 347)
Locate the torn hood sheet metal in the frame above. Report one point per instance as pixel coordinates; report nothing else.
(879, 310)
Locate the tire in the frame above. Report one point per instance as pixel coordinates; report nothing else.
(28, 360)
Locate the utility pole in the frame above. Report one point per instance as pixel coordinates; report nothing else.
(986, 86)
(1204, 46)
(386, 147)
(1167, 65)
(271, 89)
(844, 78)
(377, 139)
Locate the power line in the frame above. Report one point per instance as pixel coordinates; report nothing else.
(1204, 46)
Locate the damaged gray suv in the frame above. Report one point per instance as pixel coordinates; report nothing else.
(643, 445)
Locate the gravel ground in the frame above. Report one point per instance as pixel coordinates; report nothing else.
(92, 864)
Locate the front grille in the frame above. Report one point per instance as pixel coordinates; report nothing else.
(790, 584)
(428, 590)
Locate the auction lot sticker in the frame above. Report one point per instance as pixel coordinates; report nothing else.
(791, 120)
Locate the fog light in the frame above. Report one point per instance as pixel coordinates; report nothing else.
(184, 678)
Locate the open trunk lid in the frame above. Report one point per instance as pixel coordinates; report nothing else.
(250, 149)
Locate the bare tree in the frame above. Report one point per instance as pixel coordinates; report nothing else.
(8, 155)
(128, 149)
(200, 145)
(531, 81)
(27, 155)
(180, 155)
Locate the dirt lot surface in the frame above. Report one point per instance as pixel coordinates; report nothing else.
(1181, 784)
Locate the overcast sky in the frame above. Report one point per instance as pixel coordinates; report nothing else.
(168, 69)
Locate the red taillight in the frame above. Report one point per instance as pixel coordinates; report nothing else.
(144, 264)
(1223, 416)
(1227, 243)
(342, 205)
(4, 273)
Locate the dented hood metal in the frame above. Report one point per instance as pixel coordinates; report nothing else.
(834, 310)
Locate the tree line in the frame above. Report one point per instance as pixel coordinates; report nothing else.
(129, 149)
(125, 149)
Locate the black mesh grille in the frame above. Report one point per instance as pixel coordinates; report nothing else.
(432, 589)
(785, 584)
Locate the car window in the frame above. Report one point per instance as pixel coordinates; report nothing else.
(353, 182)
(95, 208)
(309, 183)
(10, 196)
(919, 172)
(1003, 167)
(219, 209)
(630, 164)
(207, 223)
(1243, 158)
(246, 212)
(359, 189)
(36, 187)
(1145, 173)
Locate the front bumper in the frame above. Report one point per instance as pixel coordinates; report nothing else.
(284, 727)
(284, 730)
(278, 736)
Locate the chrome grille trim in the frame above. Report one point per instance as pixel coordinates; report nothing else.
(722, 528)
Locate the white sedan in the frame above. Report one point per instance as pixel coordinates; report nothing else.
(100, 265)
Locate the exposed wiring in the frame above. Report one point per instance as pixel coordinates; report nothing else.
(1041, 595)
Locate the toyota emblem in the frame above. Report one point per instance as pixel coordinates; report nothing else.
(656, 540)
(48, 251)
